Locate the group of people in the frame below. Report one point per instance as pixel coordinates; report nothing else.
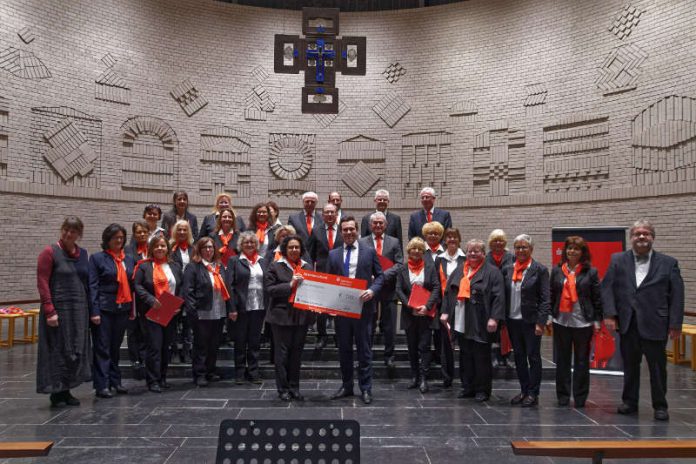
(244, 277)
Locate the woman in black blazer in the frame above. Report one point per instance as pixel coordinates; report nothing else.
(110, 272)
(226, 235)
(222, 200)
(289, 325)
(208, 302)
(181, 244)
(246, 273)
(415, 320)
(179, 212)
(528, 311)
(152, 278)
(576, 302)
(259, 224)
(473, 305)
(499, 257)
(137, 248)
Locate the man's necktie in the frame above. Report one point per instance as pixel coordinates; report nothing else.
(346, 262)
(309, 225)
(379, 245)
(331, 238)
(430, 216)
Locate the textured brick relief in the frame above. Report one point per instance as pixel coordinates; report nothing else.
(258, 103)
(26, 34)
(291, 157)
(426, 161)
(225, 164)
(325, 120)
(625, 21)
(363, 161)
(536, 98)
(109, 60)
(260, 74)
(664, 142)
(110, 86)
(360, 179)
(23, 64)
(391, 108)
(150, 154)
(499, 155)
(188, 97)
(576, 153)
(466, 109)
(393, 72)
(621, 69)
(67, 146)
(4, 135)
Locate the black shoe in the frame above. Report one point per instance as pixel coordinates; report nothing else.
(423, 387)
(239, 381)
(297, 396)
(256, 380)
(626, 409)
(661, 415)
(164, 385)
(563, 402)
(120, 389)
(529, 401)
(579, 404)
(201, 382)
(518, 399)
(414, 383)
(481, 397)
(366, 397)
(466, 394)
(154, 388)
(57, 399)
(138, 370)
(212, 377)
(341, 393)
(285, 396)
(389, 362)
(69, 399)
(104, 393)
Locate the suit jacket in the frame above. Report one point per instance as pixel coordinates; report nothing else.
(535, 298)
(299, 222)
(368, 268)
(276, 281)
(431, 282)
(318, 246)
(131, 249)
(210, 222)
(419, 219)
(393, 227)
(588, 288)
(233, 245)
(239, 273)
(440, 264)
(270, 232)
(197, 289)
(176, 256)
(103, 286)
(487, 301)
(392, 251)
(658, 303)
(508, 258)
(169, 219)
(145, 287)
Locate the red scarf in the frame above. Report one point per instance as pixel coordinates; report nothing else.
(226, 251)
(261, 231)
(465, 283)
(277, 256)
(519, 269)
(159, 277)
(124, 292)
(296, 267)
(569, 296)
(218, 284)
(253, 257)
(498, 257)
(183, 246)
(416, 267)
(434, 248)
(142, 250)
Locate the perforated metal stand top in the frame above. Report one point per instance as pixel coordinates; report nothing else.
(289, 442)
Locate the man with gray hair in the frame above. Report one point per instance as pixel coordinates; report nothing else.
(644, 290)
(304, 221)
(393, 220)
(427, 214)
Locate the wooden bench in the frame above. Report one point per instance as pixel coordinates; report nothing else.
(24, 449)
(30, 335)
(597, 450)
(678, 353)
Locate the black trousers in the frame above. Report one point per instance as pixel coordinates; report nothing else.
(184, 337)
(633, 347)
(386, 309)
(207, 336)
(575, 342)
(418, 338)
(135, 340)
(247, 344)
(446, 356)
(289, 342)
(475, 368)
(359, 331)
(322, 322)
(106, 342)
(158, 354)
(527, 347)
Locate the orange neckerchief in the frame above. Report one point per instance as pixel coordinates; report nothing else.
(253, 258)
(519, 269)
(183, 246)
(434, 248)
(296, 267)
(142, 250)
(277, 256)
(218, 284)
(416, 267)
(225, 250)
(443, 278)
(159, 277)
(465, 283)
(261, 231)
(124, 292)
(569, 296)
(498, 257)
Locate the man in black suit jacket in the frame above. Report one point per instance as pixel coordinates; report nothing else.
(644, 289)
(428, 214)
(308, 214)
(393, 220)
(390, 249)
(336, 199)
(358, 262)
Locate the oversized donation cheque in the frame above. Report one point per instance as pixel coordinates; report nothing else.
(330, 294)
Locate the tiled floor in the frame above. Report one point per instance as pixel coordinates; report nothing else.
(401, 426)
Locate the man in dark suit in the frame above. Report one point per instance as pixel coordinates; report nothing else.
(336, 200)
(357, 262)
(389, 248)
(304, 221)
(393, 220)
(428, 214)
(324, 238)
(644, 289)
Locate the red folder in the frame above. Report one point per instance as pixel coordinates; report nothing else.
(419, 297)
(386, 263)
(164, 314)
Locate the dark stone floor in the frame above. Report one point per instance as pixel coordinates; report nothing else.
(402, 426)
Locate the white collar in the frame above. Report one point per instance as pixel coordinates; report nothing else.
(459, 253)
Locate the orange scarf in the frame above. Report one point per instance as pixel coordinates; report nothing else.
(218, 284)
(416, 267)
(124, 292)
(253, 258)
(434, 248)
(226, 251)
(142, 250)
(498, 257)
(183, 246)
(443, 278)
(261, 232)
(519, 269)
(296, 267)
(465, 283)
(159, 277)
(277, 256)
(569, 296)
